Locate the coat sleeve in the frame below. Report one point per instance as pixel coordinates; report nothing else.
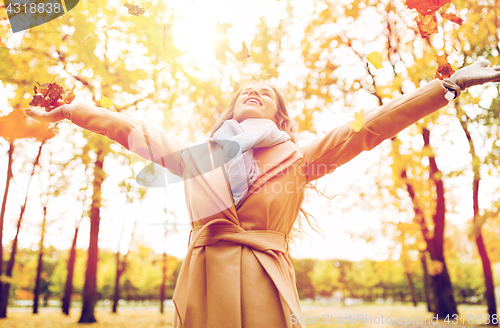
(342, 144)
(149, 142)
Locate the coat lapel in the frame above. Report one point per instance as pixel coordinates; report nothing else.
(271, 161)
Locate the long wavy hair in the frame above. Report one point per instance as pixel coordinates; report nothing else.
(285, 123)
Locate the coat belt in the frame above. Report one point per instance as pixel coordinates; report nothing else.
(264, 241)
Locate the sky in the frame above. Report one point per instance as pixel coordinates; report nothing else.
(195, 33)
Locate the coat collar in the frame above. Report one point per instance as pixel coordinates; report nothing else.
(271, 161)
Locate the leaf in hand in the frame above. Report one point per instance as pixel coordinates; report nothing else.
(427, 25)
(453, 18)
(70, 96)
(426, 7)
(359, 121)
(47, 96)
(221, 45)
(134, 9)
(243, 53)
(444, 69)
(375, 58)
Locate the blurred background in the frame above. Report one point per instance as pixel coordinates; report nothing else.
(416, 220)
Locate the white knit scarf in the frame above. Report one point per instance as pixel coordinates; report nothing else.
(249, 134)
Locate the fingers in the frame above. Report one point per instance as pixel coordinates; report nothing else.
(496, 67)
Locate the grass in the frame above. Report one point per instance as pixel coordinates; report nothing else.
(133, 317)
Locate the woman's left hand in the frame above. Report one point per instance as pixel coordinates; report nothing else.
(476, 74)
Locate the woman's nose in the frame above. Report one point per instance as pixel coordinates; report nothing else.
(254, 92)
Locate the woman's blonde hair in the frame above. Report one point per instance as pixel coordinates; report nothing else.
(285, 123)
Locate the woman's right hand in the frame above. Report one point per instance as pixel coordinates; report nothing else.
(57, 114)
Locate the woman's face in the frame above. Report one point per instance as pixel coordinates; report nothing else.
(257, 100)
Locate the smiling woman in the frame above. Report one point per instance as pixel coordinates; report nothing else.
(257, 100)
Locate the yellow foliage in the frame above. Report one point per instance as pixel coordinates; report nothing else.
(435, 267)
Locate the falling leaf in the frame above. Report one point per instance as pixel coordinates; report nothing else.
(453, 18)
(359, 121)
(426, 7)
(222, 44)
(134, 9)
(444, 69)
(243, 53)
(375, 58)
(106, 102)
(427, 25)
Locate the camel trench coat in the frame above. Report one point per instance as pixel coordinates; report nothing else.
(237, 272)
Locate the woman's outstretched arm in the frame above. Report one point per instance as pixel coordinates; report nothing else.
(151, 143)
(342, 144)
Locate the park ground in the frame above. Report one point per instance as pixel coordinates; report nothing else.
(149, 317)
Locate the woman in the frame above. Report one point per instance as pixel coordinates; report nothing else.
(238, 272)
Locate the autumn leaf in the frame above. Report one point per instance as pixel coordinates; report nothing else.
(375, 58)
(134, 9)
(70, 96)
(427, 25)
(359, 121)
(106, 102)
(444, 69)
(49, 96)
(453, 18)
(243, 53)
(221, 45)
(426, 7)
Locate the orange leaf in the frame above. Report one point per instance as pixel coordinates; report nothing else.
(454, 18)
(444, 69)
(426, 7)
(427, 25)
(243, 53)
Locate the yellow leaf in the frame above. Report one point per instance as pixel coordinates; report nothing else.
(359, 121)
(375, 58)
(106, 102)
(243, 53)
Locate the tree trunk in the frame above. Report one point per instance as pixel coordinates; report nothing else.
(412, 288)
(3, 314)
(427, 290)
(163, 281)
(68, 288)
(444, 301)
(119, 270)
(4, 298)
(38, 282)
(485, 260)
(90, 288)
